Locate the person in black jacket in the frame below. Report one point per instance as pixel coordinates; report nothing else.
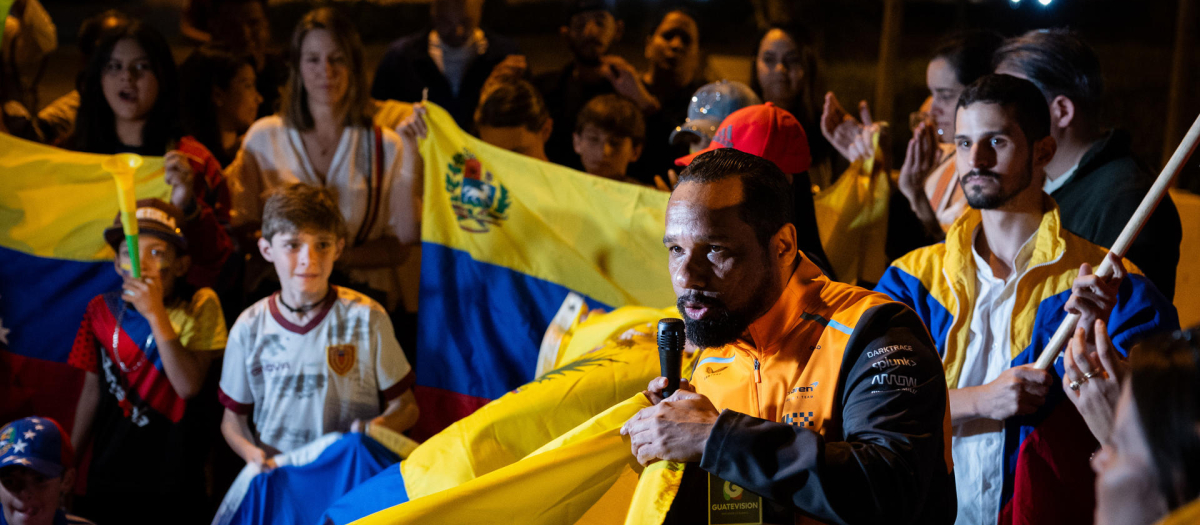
(453, 61)
(825, 399)
(1094, 177)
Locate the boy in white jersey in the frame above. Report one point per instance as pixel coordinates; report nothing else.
(312, 358)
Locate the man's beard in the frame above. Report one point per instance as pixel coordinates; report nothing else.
(980, 201)
(725, 325)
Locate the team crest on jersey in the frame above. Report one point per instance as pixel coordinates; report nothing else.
(341, 358)
(479, 203)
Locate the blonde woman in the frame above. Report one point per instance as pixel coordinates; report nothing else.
(324, 136)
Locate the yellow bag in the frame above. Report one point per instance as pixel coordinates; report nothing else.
(852, 219)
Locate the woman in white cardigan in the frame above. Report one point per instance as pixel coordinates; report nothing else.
(324, 136)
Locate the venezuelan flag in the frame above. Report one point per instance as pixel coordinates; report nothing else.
(504, 239)
(54, 207)
(606, 359)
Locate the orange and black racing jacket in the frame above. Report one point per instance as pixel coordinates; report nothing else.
(835, 406)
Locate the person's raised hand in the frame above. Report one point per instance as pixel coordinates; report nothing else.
(177, 172)
(1018, 391)
(1093, 297)
(145, 294)
(841, 129)
(413, 127)
(669, 184)
(919, 159)
(624, 79)
(1092, 375)
(675, 429)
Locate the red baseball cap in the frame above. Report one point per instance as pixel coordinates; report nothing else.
(763, 130)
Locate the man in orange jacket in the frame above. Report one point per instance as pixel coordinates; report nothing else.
(824, 398)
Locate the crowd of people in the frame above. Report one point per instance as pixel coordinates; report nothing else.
(272, 302)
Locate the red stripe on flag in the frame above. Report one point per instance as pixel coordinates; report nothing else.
(1054, 482)
(440, 408)
(34, 387)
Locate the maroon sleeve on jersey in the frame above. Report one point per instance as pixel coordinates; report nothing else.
(241, 409)
(400, 387)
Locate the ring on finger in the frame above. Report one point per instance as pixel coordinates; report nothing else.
(1090, 375)
(1074, 385)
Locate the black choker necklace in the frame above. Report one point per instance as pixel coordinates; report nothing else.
(302, 309)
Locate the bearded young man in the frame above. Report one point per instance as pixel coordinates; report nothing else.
(994, 293)
(824, 398)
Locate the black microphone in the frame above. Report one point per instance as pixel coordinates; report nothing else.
(670, 352)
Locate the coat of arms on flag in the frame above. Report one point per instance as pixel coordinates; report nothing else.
(473, 194)
(341, 358)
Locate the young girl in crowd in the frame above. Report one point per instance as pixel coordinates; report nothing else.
(129, 103)
(324, 137)
(220, 101)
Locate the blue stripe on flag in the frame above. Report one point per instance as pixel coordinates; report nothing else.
(383, 491)
(480, 325)
(42, 301)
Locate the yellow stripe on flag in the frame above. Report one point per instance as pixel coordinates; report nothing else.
(602, 370)
(57, 203)
(556, 485)
(599, 237)
(655, 491)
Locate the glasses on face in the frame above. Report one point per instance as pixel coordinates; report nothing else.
(137, 69)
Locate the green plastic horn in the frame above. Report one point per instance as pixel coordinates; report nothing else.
(122, 167)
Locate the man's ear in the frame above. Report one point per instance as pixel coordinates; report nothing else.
(218, 96)
(1043, 151)
(637, 152)
(264, 248)
(577, 143)
(182, 264)
(547, 129)
(341, 247)
(67, 482)
(783, 246)
(1062, 112)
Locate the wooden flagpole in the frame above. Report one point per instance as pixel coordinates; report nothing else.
(1156, 194)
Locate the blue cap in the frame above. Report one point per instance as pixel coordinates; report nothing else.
(710, 105)
(37, 443)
